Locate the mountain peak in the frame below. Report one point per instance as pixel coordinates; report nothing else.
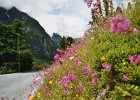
(2, 8)
(13, 9)
(56, 36)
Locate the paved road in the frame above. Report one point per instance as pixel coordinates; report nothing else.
(16, 85)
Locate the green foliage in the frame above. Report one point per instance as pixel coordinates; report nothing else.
(12, 47)
(119, 9)
(39, 64)
(106, 6)
(26, 59)
(65, 42)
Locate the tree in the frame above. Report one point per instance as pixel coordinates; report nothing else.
(66, 41)
(12, 45)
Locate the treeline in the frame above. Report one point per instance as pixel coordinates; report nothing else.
(15, 55)
(65, 42)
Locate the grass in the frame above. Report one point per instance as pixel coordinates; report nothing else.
(39, 64)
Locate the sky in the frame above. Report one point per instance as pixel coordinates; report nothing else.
(65, 17)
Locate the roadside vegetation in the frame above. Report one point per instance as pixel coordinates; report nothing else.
(102, 65)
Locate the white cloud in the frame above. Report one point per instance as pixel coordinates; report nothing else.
(61, 16)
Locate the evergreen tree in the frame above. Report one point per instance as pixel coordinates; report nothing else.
(12, 46)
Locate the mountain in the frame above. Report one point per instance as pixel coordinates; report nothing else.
(56, 39)
(41, 43)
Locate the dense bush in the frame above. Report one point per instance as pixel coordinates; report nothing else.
(65, 42)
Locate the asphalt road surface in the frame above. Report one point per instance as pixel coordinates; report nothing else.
(15, 86)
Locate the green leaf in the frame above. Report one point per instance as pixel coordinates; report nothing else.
(125, 93)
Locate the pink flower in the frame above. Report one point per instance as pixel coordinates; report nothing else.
(77, 61)
(112, 20)
(119, 28)
(134, 59)
(117, 25)
(59, 51)
(65, 92)
(89, 2)
(126, 25)
(139, 57)
(4, 98)
(112, 30)
(57, 57)
(107, 67)
(86, 70)
(94, 74)
(125, 77)
(72, 76)
(81, 88)
(135, 31)
(67, 54)
(94, 81)
(119, 17)
(97, 3)
(29, 94)
(45, 89)
(64, 81)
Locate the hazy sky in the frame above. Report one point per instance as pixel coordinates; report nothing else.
(61, 16)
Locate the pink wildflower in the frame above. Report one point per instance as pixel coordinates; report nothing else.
(94, 81)
(57, 57)
(59, 51)
(94, 74)
(29, 94)
(71, 76)
(86, 70)
(64, 81)
(81, 88)
(119, 17)
(112, 20)
(126, 25)
(77, 61)
(65, 92)
(119, 28)
(125, 77)
(113, 30)
(135, 31)
(97, 3)
(45, 89)
(4, 98)
(134, 59)
(107, 67)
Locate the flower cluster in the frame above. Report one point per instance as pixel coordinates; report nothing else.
(66, 79)
(88, 2)
(77, 61)
(86, 70)
(134, 59)
(107, 67)
(61, 56)
(119, 25)
(94, 79)
(81, 88)
(95, 3)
